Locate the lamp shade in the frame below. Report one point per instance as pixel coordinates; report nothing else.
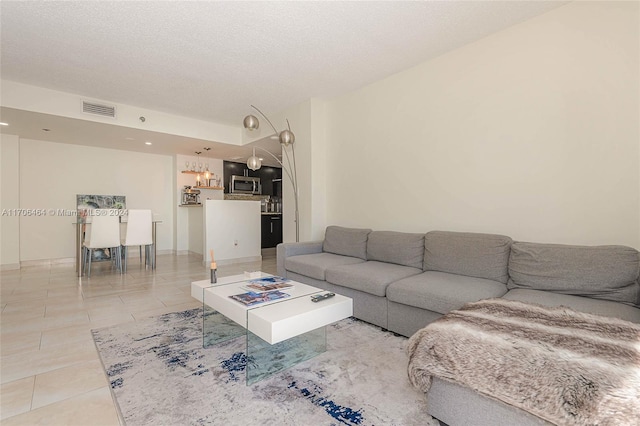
(251, 122)
(287, 137)
(253, 162)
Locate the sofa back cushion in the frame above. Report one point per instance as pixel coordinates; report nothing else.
(396, 247)
(601, 272)
(346, 241)
(469, 254)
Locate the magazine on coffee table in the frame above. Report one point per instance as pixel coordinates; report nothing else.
(251, 298)
(267, 284)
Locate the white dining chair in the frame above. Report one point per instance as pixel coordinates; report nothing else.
(139, 223)
(105, 234)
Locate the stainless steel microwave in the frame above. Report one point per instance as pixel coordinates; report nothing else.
(246, 185)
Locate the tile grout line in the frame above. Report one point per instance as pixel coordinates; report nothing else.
(33, 390)
(176, 277)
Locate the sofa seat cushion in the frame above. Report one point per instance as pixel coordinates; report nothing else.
(466, 253)
(582, 304)
(442, 292)
(601, 272)
(346, 241)
(400, 248)
(370, 277)
(315, 265)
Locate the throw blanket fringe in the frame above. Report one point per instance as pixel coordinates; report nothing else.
(566, 367)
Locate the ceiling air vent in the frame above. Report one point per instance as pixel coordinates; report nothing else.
(97, 109)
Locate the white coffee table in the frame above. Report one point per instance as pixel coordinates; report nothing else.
(280, 333)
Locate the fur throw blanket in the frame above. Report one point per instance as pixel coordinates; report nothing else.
(566, 367)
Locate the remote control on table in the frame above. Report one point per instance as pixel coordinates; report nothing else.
(320, 297)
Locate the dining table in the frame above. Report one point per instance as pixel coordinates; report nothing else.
(81, 225)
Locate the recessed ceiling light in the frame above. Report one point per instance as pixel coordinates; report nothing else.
(3, 123)
(235, 158)
(260, 158)
(148, 143)
(130, 139)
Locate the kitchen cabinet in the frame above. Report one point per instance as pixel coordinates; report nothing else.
(231, 168)
(271, 230)
(267, 177)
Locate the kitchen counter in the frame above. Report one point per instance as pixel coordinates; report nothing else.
(244, 197)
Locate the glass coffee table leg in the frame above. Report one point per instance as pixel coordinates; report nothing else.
(216, 328)
(264, 359)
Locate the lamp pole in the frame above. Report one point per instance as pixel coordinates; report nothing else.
(287, 138)
(294, 182)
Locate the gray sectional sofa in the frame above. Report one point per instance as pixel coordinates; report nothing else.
(403, 281)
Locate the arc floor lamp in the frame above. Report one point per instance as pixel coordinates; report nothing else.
(287, 141)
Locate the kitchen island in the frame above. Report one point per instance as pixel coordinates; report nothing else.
(232, 230)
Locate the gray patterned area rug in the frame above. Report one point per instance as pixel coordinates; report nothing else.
(161, 375)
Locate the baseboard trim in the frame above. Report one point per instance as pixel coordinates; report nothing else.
(9, 266)
(222, 262)
(187, 253)
(47, 262)
(65, 260)
(135, 251)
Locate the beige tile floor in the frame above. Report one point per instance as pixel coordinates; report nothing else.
(50, 372)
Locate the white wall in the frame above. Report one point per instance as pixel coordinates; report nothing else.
(532, 132)
(188, 223)
(318, 171)
(9, 200)
(51, 174)
(232, 230)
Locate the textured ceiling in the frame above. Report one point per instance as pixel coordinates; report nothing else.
(211, 60)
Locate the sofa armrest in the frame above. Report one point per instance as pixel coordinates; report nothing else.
(285, 250)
